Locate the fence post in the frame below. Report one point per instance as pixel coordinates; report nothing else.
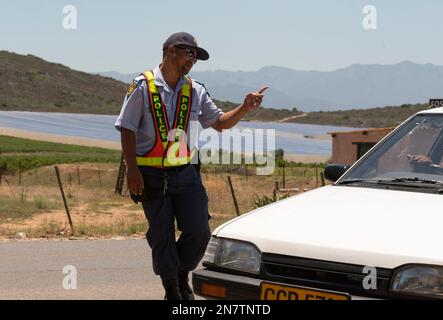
(121, 176)
(284, 177)
(64, 198)
(316, 176)
(322, 176)
(276, 188)
(233, 196)
(78, 175)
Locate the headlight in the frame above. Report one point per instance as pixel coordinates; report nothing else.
(419, 280)
(233, 254)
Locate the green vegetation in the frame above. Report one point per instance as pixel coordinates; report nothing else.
(24, 154)
(264, 200)
(364, 118)
(261, 113)
(249, 169)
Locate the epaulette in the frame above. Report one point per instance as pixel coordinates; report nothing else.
(139, 78)
(133, 85)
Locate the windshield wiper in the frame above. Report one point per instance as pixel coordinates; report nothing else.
(397, 181)
(407, 180)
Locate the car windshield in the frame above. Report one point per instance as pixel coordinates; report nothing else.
(414, 154)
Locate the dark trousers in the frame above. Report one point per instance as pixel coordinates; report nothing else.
(185, 201)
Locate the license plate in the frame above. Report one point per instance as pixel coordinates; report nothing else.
(272, 291)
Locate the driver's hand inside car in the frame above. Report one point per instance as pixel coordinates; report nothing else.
(420, 158)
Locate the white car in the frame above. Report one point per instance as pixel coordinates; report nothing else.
(377, 232)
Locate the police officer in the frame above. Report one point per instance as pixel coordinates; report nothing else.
(157, 122)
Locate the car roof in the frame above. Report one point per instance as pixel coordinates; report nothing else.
(434, 110)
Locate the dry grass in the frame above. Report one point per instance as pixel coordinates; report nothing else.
(33, 208)
(247, 187)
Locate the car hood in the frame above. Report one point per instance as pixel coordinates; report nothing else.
(364, 226)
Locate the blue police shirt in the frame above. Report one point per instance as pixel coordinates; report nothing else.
(136, 114)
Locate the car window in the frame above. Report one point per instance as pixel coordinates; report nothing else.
(418, 141)
(414, 150)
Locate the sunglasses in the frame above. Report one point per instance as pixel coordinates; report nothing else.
(189, 53)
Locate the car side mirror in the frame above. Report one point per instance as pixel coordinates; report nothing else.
(335, 171)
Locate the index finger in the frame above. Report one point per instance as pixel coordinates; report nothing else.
(262, 89)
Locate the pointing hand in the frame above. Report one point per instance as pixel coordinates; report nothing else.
(254, 99)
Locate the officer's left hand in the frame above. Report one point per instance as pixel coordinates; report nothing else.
(254, 99)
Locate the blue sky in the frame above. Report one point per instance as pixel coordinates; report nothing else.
(239, 35)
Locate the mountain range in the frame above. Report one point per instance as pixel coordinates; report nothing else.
(29, 83)
(354, 87)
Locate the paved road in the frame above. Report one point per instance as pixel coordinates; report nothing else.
(106, 269)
